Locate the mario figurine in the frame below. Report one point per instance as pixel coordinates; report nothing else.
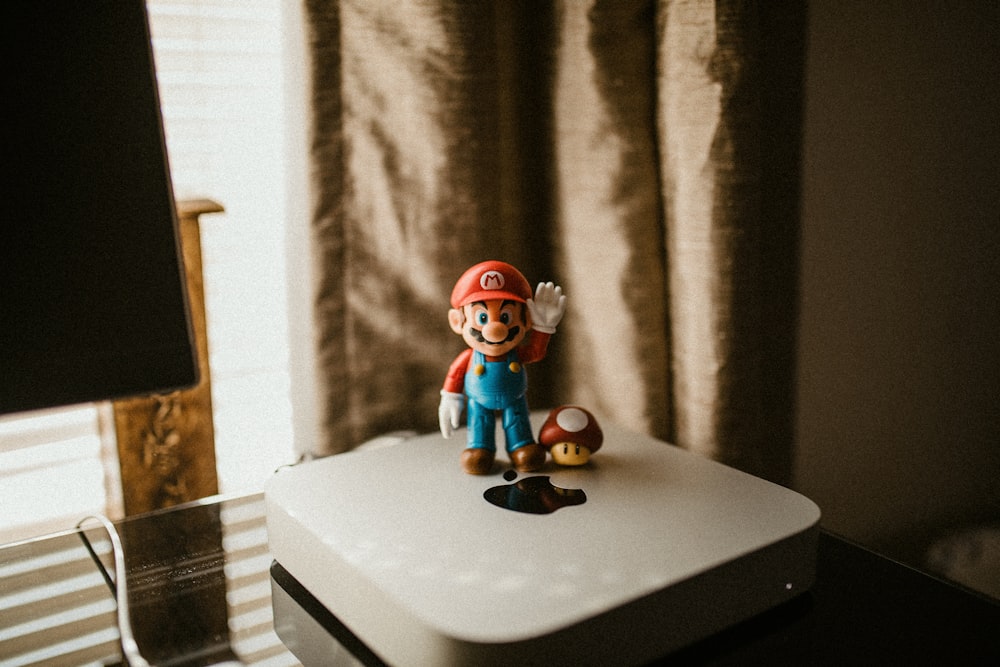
(493, 310)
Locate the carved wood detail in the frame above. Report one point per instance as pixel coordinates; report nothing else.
(166, 442)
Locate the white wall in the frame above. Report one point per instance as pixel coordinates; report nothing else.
(301, 293)
(899, 380)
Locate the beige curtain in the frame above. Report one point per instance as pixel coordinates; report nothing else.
(643, 155)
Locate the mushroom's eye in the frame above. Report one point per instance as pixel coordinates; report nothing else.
(567, 445)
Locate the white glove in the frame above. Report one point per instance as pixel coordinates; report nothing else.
(547, 307)
(450, 412)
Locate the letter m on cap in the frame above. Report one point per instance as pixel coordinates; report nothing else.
(491, 280)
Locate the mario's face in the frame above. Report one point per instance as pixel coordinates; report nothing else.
(493, 327)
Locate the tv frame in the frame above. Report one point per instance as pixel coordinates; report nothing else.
(93, 298)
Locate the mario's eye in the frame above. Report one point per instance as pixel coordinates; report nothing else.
(482, 318)
(505, 318)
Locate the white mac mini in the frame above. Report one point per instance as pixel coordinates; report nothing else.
(643, 550)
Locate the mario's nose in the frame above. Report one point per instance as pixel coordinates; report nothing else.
(495, 332)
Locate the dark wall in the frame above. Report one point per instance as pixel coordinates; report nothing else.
(898, 422)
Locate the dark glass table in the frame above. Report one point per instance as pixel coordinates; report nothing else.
(200, 592)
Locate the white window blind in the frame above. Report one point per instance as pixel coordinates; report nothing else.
(51, 471)
(219, 71)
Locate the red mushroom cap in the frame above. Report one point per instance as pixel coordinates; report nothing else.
(573, 424)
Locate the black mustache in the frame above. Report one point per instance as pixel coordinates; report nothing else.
(511, 335)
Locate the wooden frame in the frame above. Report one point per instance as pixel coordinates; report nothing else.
(166, 442)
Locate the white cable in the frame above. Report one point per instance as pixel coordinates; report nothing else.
(130, 649)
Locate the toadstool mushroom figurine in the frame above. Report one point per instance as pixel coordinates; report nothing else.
(571, 434)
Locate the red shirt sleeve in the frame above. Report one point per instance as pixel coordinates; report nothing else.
(534, 350)
(454, 382)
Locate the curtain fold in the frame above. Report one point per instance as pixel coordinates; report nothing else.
(641, 154)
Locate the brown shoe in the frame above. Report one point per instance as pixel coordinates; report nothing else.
(477, 461)
(528, 458)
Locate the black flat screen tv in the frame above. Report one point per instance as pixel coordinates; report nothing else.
(93, 302)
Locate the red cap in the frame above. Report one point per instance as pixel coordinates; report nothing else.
(490, 280)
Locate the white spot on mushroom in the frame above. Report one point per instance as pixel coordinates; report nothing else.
(572, 420)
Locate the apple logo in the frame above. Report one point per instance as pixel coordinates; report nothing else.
(533, 495)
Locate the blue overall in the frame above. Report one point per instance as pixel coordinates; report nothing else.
(497, 386)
